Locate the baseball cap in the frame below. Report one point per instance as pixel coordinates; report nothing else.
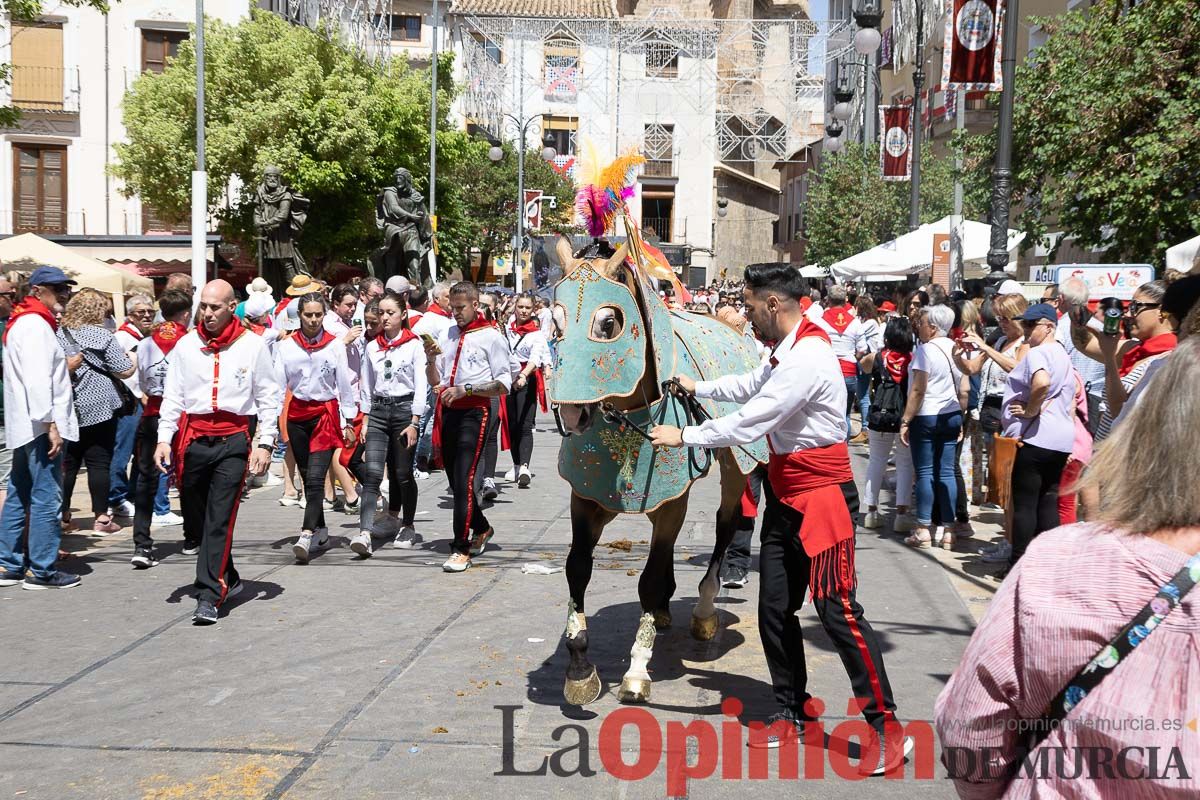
(1038, 312)
(887, 305)
(398, 284)
(1009, 287)
(49, 276)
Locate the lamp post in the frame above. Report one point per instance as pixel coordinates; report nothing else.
(997, 257)
(521, 128)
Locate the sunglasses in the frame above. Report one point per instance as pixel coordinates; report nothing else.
(387, 369)
(1136, 307)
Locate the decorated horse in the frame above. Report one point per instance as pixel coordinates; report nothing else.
(619, 349)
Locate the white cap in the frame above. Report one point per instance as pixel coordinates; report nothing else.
(258, 304)
(259, 286)
(398, 284)
(1010, 287)
(291, 320)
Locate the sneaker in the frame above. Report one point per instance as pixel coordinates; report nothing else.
(123, 509)
(271, 479)
(287, 500)
(490, 492)
(420, 475)
(406, 538)
(331, 505)
(386, 525)
(351, 508)
(871, 520)
(511, 475)
(105, 528)
(55, 580)
(892, 753)
(191, 548)
(320, 539)
(302, 546)
(904, 523)
(859, 438)
(167, 520)
(10, 578)
(457, 562)
(735, 578)
(361, 544)
(205, 613)
(1000, 554)
(524, 477)
(143, 558)
(480, 541)
(773, 740)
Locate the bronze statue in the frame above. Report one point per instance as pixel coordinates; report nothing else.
(279, 215)
(407, 232)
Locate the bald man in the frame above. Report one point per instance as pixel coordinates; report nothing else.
(219, 377)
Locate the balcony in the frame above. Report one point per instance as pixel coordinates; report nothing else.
(48, 89)
(657, 226)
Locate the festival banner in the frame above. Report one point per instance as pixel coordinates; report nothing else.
(895, 153)
(971, 51)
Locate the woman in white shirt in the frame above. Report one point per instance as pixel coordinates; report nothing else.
(932, 421)
(532, 352)
(393, 391)
(311, 364)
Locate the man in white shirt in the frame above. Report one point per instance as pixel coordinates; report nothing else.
(797, 399)
(849, 339)
(219, 376)
(473, 367)
(39, 414)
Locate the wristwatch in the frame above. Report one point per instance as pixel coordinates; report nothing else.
(470, 390)
(268, 447)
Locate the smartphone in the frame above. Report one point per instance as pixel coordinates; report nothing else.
(428, 339)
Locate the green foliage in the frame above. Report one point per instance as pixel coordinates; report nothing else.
(26, 10)
(1106, 134)
(851, 208)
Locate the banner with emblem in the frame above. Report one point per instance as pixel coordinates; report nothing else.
(895, 152)
(971, 51)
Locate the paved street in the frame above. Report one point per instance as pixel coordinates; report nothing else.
(362, 679)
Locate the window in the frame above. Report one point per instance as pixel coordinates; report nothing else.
(405, 27)
(39, 188)
(153, 223)
(657, 208)
(658, 145)
(158, 47)
(561, 133)
(37, 66)
(490, 48)
(560, 70)
(662, 60)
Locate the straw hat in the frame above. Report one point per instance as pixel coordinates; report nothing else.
(302, 285)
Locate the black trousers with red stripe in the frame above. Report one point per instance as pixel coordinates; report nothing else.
(463, 433)
(214, 470)
(784, 570)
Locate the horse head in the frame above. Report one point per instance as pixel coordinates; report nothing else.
(602, 349)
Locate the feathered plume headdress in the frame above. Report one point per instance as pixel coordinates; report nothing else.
(603, 191)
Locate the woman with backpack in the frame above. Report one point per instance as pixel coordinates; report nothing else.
(888, 369)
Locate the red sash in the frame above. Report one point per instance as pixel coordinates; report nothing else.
(280, 306)
(406, 335)
(348, 449)
(540, 380)
(193, 426)
(225, 337)
(311, 347)
(1163, 343)
(327, 435)
(30, 306)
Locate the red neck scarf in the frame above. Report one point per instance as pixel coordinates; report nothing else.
(307, 346)
(405, 336)
(255, 328)
(434, 308)
(480, 321)
(838, 318)
(896, 364)
(132, 330)
(807, 328)
(166, 335)
(1156, 345)
(413, 318)
(30, 305)
(281, 305)
(228, 335)
(528, 327)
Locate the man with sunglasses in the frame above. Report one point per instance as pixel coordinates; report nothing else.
(39, 413)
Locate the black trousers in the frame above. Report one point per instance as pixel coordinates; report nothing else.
(214, 473)
(94, 448)
(144, 444)
(313, 468)
(385, 446)
(491, 444)
(784, 569)
(738, 554)
(1036, 474)
(463, 433)
(522, 412)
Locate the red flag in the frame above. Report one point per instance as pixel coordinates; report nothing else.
(895, 154)
(971, 51)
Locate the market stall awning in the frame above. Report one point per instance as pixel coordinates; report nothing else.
(913, 252)
(1183, 256)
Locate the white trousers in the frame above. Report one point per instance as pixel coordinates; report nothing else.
(881, 449)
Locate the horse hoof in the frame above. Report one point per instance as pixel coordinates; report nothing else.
(704, 629)
(582, 692)
(634, 690)
(662, 620)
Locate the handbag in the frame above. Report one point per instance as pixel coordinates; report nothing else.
(129, 401)
(1143, 624)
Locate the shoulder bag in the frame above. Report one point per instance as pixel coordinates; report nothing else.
(128, 400)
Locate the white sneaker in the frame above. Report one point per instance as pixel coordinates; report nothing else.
(524, 477)
(904, 523)
(511, 475)
(419, 475)
(302, 546)
(457, 562)
(406, 538)
(291, 501)
(361, 544)
(871, 520)
(166, 520)
(123, 509)
(386, 525)
(272, 479)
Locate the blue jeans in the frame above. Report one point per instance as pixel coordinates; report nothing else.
(34, 488)
(162, 503)
(424, 453)
(864, 396)
(122, 485)
(933, 440)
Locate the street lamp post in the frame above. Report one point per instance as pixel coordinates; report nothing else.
(521, 128)
(997, 257)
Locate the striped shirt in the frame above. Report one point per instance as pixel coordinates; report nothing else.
(1070, 594)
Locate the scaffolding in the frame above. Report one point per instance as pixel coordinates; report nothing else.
(361, 26)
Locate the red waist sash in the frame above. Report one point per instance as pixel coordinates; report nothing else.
(327, 435)
(193, 426)
(348, 450)
(151, 403)
(540, 380)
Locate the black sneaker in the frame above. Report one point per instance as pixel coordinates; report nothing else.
(205, 613)
(351, 508)
(772, 729)
(143, 558)
(55, 580)
(735, 578)
(10, 578)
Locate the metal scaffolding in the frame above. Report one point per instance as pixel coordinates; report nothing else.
(361, 26)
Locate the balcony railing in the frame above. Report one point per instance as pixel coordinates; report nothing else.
(45, 88)
(658, 226)
(43, 221)
(659, 168)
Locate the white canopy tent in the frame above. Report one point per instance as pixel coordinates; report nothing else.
(1183, 256)
(913, 252)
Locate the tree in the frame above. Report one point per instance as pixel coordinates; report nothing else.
(26, 11)
(282, 94)
(1106, 133)
(852, 209)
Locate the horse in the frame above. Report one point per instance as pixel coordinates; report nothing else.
(619, 348)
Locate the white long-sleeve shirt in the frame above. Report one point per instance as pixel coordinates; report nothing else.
(354, 351)
(239, 379)
(433, 324)
(319, 375)
(397, 372)
(848, 344)
(529, 348)
(798, 404)
(485, 358)
(37, 385)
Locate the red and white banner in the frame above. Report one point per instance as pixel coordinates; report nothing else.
(971, 51)
(533, 209)
(895, 151)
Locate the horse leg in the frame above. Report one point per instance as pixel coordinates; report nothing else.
(582, 685)
(733, 483)
(667, 520)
